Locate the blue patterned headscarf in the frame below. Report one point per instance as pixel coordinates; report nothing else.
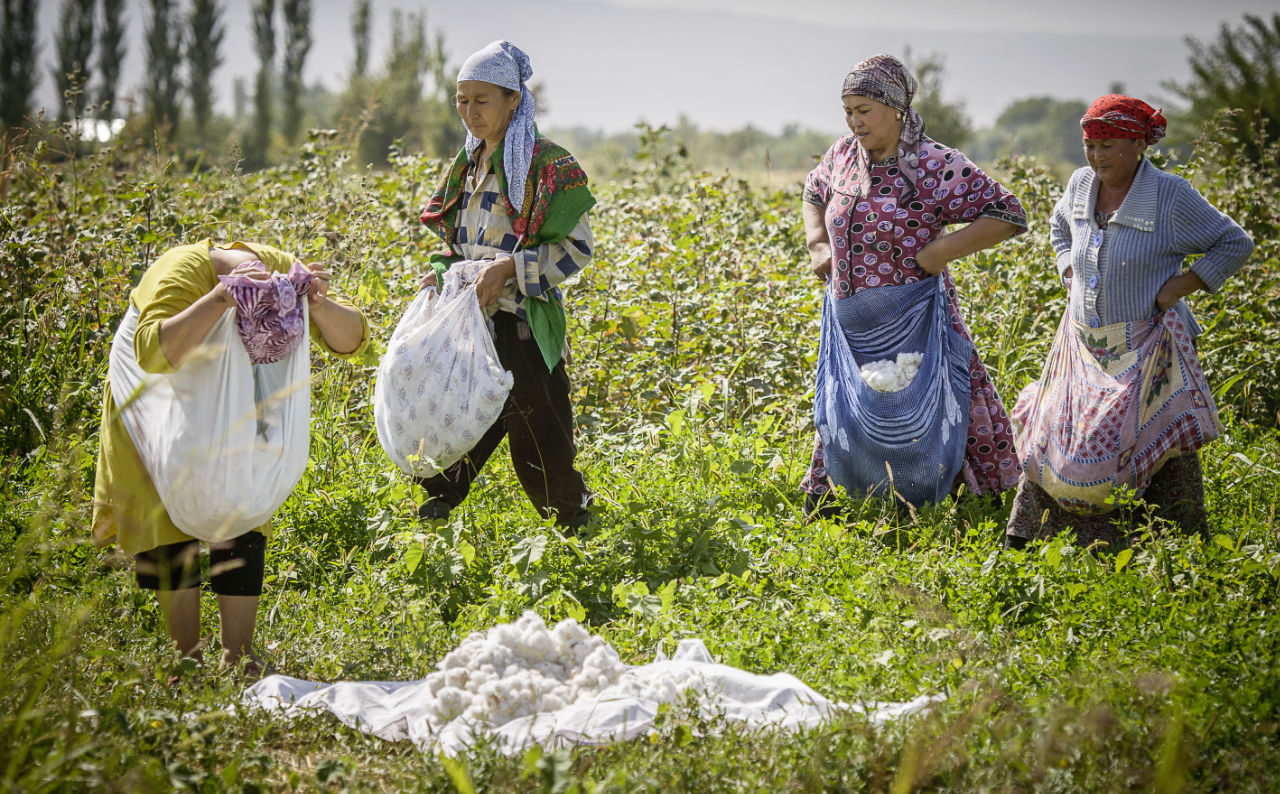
(503, 64)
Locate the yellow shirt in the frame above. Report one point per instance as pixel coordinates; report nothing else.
(126, 508)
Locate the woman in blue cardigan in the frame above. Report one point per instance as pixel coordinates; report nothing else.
(1122, 402)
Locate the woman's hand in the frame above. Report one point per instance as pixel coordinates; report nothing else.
(319, 283)
(820, 259)
(221, 296)
(932, 258)
(428, 280)
(1177, 288)
(492, 278)
(341, 326)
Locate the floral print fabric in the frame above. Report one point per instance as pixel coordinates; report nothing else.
(269, 312)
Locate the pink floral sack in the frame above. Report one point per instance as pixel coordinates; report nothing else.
(1112, 405)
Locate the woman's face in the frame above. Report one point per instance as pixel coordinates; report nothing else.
(486, 109)
(875, 124)
(1114, 160)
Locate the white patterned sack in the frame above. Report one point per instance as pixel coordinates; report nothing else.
(440, 385)
(224, 440)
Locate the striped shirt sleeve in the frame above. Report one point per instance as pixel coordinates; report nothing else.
(543, 267)
(1198, 227)
(1060, 233)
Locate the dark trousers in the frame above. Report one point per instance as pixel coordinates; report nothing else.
(537, 422)
(236, 566)
(1176, 494)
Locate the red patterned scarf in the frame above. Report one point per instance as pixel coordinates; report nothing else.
(1119, 116)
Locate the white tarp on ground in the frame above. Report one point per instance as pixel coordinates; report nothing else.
(514, 705)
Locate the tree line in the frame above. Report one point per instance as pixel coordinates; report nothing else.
(183, 49)
(407, 102)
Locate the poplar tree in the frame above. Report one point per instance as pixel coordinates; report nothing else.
(204, 56)
(75, 46)
(164, 62)
(264, 37)
(17, 60)
(360, 33)
(111, 53)
(297, 43)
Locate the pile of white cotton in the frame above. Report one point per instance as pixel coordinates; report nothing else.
(888, 375)
(521, 684)
(519, 669)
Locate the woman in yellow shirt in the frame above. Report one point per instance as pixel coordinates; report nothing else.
(179, 299)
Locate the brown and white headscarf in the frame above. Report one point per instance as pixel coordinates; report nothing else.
(886, 79)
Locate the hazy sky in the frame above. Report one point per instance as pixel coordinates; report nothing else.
(726, 63)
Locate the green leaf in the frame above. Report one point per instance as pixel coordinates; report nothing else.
(458, 774)
(372, 289)
(1052, 555)
(1122, 559)
(467, 552)
(527, 552)
(413, 557)
(675, 420)
(667, 595)
(622, 591)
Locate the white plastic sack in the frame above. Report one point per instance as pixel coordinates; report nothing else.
(618, 706)
(224, 440)
(440, 386)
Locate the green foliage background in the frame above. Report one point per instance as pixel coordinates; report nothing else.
(694, 338)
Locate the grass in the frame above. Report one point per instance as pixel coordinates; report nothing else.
(694, 347)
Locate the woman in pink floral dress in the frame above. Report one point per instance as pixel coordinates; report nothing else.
(875, 210)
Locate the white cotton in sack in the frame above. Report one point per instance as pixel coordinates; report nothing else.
(440, 385)
(888, 375)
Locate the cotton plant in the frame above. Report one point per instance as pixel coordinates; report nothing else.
(888, 375)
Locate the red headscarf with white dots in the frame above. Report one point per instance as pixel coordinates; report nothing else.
(1119, 116)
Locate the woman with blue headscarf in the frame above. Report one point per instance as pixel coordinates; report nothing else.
(514, 206)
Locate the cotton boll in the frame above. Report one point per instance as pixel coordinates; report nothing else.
(552, 702)
(909, 364)
(523, 668)
(551, 670)
(452, 702)
(539, 645)
(892, 375)
(434, 682)
(880, 375)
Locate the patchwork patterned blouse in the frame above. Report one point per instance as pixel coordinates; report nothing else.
(874, 240)
(484, 231)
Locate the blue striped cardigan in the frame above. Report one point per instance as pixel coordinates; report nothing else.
(1117, 271)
